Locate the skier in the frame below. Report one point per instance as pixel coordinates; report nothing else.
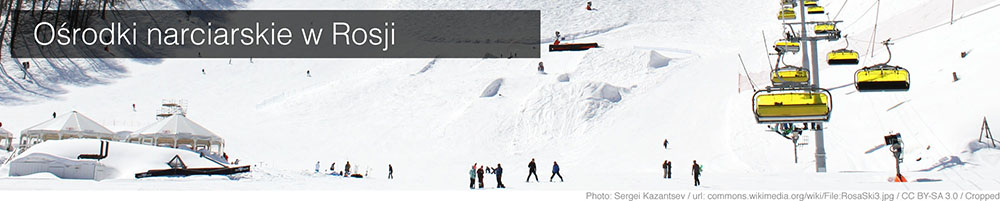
(317, 166)
(541, 68)
(26, 65)
(472, 177)
(499, 172)
(588, 6)
(307, 74)
(665, 143)
(347, 169)
(555, 171)
(531, 171)
(202, 71)
(696, 171)
(479, 173)
(666, 169)
(390, 171)
(53, 115)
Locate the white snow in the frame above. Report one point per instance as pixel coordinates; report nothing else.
(666, 69)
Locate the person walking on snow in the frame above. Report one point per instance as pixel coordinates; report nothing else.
(472, 177)
(390, 171)
(531, 171)
(479, 173)
(696, 171)
(499, 172)
(317, 166)
(666, 169)
(555, 171)
(665, 143)
(347, 169)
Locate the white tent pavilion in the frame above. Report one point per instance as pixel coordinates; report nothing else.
(176, 131)
(5, 139)
(67, 126)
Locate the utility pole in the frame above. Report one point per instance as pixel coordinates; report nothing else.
(952, 11)
(814, 67)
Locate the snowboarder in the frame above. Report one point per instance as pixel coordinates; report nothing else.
(499, 172)
(202, 71)
(666, 169)
(307, 74)
(588, 6)
(317, 166)
(133, 107)
(332, 165)
(696, 171)
(347, 168)
(665, 143)
(479, 173)
(541, 68)
(390, 171)
(531, 171)
(472, 177)
(555, 171)
(53, 115)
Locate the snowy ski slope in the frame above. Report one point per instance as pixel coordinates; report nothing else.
(666, 69)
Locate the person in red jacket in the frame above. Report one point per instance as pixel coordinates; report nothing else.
(588, 6)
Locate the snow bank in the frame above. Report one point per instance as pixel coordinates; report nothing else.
(492, 89)
(124, 159)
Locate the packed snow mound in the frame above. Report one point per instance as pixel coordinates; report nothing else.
(492, 89)
(657, 60)
(123, 161)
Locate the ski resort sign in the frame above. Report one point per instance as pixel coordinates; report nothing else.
(277, 34)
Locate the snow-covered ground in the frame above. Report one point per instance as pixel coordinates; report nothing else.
(667, 69)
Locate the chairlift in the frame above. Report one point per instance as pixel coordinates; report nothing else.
(826, 28)
(786, 46)
(787, 13)
(789, 3)
(815, 9)
(789, 74)
(811, 3)
(882, 77)
(842, 57)
(792, 105)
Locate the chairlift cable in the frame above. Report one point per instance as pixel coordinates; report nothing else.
(747, 72)
(839, 11)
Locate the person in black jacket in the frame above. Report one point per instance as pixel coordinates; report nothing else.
(531, 171)
(696, 171)
(499, 172)
(666, 169)
(390, 171)
(480, 173)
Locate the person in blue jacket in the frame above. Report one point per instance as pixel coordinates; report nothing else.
(555, 171)
(472, 177)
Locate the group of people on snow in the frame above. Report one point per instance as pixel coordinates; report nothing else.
(479, 173)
